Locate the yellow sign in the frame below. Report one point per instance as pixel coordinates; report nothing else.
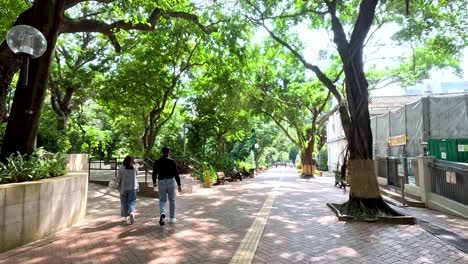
(397, 140)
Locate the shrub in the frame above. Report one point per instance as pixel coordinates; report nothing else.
(213, 175)
(40, 165)
(224, 164)
(52, 140)
(323, 159)
(243, 164)
(201, 175)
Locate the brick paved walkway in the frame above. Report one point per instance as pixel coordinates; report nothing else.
(297, 227)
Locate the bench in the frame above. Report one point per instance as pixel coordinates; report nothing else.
(251, 173)
(222, 178)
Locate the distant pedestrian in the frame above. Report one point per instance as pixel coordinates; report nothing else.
(166, 172)
(127, 184)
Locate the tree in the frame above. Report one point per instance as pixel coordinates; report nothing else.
(148, 87)
(296, 104)
(55, 17)
(219, 102)
(76, 66)
(219, 106)
(350, 25)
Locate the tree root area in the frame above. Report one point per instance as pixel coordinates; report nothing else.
(366, 208)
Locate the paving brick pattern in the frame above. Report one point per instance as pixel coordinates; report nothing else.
(212, 223)
(302, 230)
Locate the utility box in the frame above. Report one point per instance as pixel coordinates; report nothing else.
(449, 149)
(462, 149)
(443, 149)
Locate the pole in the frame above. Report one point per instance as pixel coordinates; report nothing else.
(405, 175)
(208, 179)
(183, 138)
(25, 69)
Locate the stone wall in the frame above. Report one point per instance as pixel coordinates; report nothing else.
(77, 162)
(33, 210)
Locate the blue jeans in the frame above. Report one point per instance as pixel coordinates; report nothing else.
(167, 187)
(127, 202)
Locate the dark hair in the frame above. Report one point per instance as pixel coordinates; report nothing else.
(165, 150)
(128, 162)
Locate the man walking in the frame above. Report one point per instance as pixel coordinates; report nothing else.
(165, 170)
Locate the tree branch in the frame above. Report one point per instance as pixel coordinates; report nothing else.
(72, 3)
(109, 29)
(298, 14)
(324, 119)
(295, 142)
(362, 25)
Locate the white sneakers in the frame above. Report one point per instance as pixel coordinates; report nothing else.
(173, 220)
(131, 217)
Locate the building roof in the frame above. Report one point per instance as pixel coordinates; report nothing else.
(391, 101)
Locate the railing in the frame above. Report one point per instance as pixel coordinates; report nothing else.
(381, 167)
(392, 171)
(100, 165)
(147, 165)
(450, 180)
(410, 172)
(189, 165)
(186, 165)
(113, 165)
(388, 167)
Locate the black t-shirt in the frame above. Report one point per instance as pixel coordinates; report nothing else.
(165, 168)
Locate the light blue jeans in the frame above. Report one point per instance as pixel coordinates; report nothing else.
(127, 202)
(167, 187)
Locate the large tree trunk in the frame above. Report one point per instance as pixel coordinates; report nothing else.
(220, 139)
(307, 160)
(62, 124)
(363, 181)
(150, 139)
(364, 198)
(61, 104)
(23, 123)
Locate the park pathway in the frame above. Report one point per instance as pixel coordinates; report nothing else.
(276, 217)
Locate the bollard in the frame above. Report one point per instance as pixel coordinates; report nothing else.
(208, 179)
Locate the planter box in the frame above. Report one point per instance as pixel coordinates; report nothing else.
(33, 210)
(77, 162)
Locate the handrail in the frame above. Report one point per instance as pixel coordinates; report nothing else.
(196, 161)
(148, 163)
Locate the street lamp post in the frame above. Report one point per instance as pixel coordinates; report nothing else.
(256, 146)
(184, 132)
(21, 130)
(27, 42)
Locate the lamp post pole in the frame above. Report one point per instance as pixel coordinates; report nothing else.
(255, 155)
(185, 129)
(185, 142)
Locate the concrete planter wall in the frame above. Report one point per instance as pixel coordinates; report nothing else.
(77, 162)
(33, 210)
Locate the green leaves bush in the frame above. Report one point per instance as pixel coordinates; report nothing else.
(323, 159)
(39, 165)
(201, 175)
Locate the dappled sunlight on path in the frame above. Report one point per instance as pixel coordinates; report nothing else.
(279, 217)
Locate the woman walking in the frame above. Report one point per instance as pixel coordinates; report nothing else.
(128, 187)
